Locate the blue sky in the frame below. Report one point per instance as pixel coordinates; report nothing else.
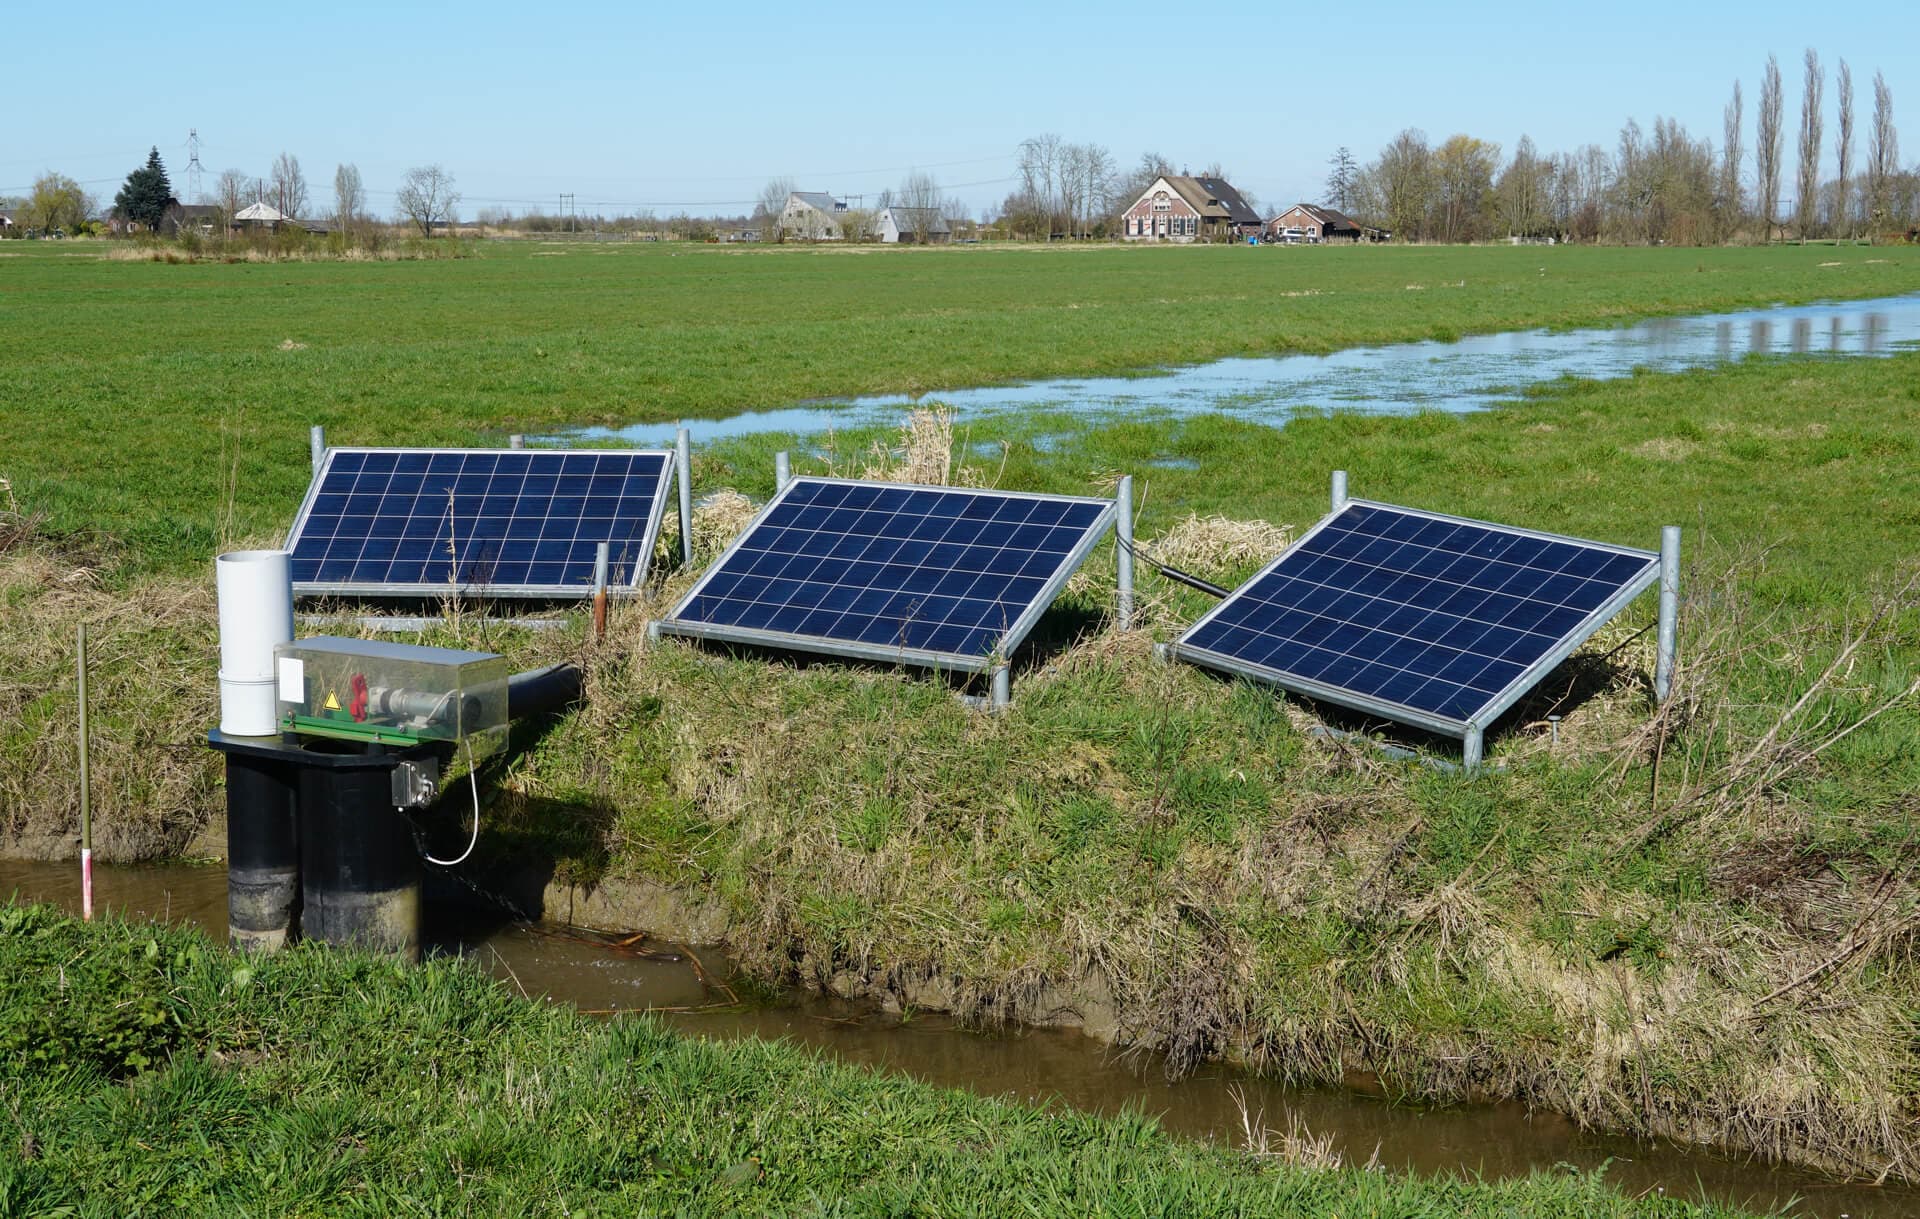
(692, 107)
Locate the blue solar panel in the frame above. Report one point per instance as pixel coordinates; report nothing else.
(940, 575)
(497, 522)
(1434, 620)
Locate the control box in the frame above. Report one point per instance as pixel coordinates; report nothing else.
(392, 693)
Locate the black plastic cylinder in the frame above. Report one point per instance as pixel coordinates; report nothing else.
(263, 854)
(361, 875)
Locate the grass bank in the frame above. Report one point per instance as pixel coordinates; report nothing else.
(1698, 923)
(145, 1071)
(154, 411)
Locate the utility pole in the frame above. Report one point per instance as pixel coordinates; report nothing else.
(566, 209)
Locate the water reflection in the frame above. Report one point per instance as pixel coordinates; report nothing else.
(1469, 374)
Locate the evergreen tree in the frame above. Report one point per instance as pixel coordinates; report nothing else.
(143, 200)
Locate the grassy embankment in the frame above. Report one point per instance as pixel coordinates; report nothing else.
(145, 1072)
(1701, 927)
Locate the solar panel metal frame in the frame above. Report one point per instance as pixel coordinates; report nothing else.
(531, 592)
(1010, 640)
(1488, 711)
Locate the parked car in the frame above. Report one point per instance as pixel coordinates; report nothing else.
(1290, 235)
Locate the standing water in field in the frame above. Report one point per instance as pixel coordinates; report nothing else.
(1467, 374)
(689, 988)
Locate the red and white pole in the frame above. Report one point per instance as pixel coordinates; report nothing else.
(86, 807)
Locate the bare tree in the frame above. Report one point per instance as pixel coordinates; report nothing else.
(1730, 161)
(1341, 172)
(229, 195)
(426, 197)
(1808, 182)
(1040, 191)
(1521, 192)
(917, 203)
(1883, 153)
(771, 205)
(289, 185)
(1766, 148)
(349, 197)
(1842, 219)
(1403, 183)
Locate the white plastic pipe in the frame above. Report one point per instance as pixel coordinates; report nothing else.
(256, 613)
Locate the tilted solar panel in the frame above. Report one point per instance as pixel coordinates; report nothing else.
(1417, 617)
(491, 522)
(948, 577)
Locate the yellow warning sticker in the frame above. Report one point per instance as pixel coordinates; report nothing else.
(333, 701)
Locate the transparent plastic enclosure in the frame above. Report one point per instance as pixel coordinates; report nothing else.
(392, 693)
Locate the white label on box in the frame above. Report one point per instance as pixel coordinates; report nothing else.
(293, 680)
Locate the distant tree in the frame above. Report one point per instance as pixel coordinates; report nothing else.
(772, 204)
(1730, 191)
(1463, 175)
(349, 196)
(289, 185)
(1342, 171)
(1766, 148)
(230, 191)
(426, 197)
(142, 199)
(1807, 204)
(1883, 154)
(918, 202)
(1399, 184)
(1522, 193)
(1843, 152)
(57, 202)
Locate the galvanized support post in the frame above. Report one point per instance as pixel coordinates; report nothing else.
(516, 441)
(1669, 611)
(1470, 749)
(1339, 490)
(683, 474)
(317, 443)
(600, 557)
(1123, 550)
(1002, 688)
(782, 470)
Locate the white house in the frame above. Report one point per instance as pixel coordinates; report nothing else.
(924, 225)
(812, 216)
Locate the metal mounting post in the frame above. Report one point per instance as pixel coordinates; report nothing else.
(600, 557)
(516, 441)
(317, 442)
(1669, 611)
(1339, 490)
(1002, 688)
(683, 474)
(1470, 749)
(782, 470)
(1123, 533)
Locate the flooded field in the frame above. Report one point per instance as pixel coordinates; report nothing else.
(1467, 374)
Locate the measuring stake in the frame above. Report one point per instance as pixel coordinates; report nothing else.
(86, 807)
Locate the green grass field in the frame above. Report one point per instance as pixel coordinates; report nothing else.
(167, 406)
(1695, 921)
(147, 1073)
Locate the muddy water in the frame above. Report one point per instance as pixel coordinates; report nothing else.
(1468, 374)
(686, 986)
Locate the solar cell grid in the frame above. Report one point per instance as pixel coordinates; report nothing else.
(1401, 611)
(506, 522)
(949, 574)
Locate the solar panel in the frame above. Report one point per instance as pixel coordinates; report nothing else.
(948, 577)
(1425, 619)
(492, 522)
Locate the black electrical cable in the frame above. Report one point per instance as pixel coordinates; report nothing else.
(1176, 575)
